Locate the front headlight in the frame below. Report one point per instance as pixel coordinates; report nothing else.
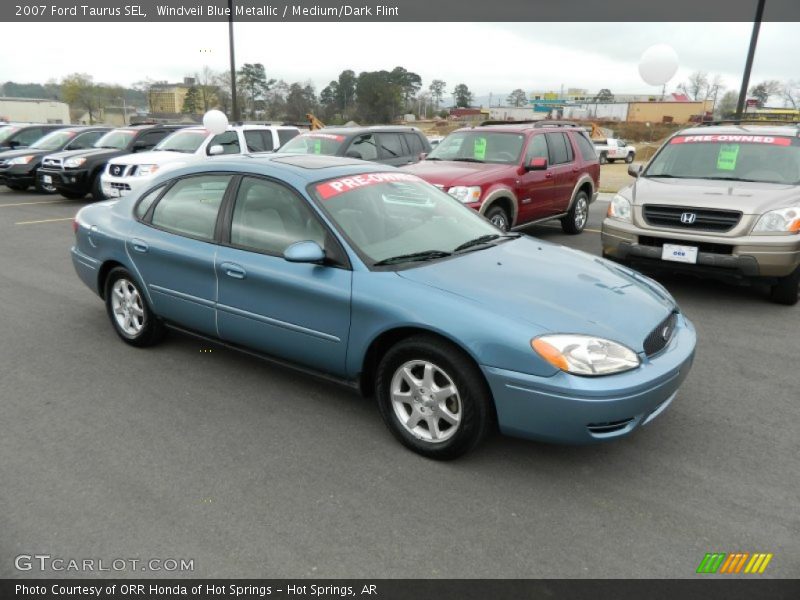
(619, 208)
(71, 163)
(20, 160)
(465, 194)
(145, 170)
(584, 354)
(783, 220)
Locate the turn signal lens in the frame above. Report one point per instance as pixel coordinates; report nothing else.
(550, 354)
(585, 354)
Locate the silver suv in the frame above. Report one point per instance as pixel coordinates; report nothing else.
(718, 200)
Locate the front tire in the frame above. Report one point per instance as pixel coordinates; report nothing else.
(499, 218)
(17, 187)
(433, 398)
(97, 189)
(787, 289)
(603, 158)
(72, 195)
(44, 188)
(575, 220)
(130, 315)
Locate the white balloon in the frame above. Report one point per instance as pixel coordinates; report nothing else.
(215, 121)
(658, 64)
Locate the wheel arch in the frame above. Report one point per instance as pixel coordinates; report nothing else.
(502, 197)
(584, 184)
(381, 344)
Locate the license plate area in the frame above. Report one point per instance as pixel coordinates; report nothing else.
(47, 179)
(679, 253)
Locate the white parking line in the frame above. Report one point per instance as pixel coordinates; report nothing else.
(43, 221)
(40, 202)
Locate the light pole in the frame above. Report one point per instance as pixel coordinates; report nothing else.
(124, 111)
(749, 63)
(234, 105)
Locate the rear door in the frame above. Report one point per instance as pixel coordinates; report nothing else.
(295, 311)
(565, 170)
(173, 250)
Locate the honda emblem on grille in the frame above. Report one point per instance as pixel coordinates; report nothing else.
(688, 218)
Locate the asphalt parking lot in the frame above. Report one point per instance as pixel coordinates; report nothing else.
(193, 451)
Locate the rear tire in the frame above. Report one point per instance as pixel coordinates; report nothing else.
(575, 220)
(787, 289)
(499, 218)
(433, 398)
(131, 316)
(630, 157)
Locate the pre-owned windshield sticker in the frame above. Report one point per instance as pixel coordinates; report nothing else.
(735, 138)
(317, 146)
(479, 148)
(726, 159)
(332, 188)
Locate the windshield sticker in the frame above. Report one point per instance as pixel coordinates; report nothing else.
(317, 146)
(479, 149)
(333, 188)
(726, 160)
(327, 136)
(746, 139)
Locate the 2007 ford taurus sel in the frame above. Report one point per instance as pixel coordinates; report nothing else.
(381, 280)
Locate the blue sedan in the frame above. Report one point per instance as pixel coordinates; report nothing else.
(377, 279)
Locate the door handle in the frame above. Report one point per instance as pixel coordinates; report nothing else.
(575, 169)
(233, 270)
(548, 175)
(139, 245)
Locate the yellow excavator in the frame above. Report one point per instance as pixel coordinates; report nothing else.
(314, 122)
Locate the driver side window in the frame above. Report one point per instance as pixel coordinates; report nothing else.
(537, 148)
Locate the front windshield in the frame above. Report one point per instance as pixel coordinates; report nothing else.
(480, 146)
(769, 159)
(390, 215)
(6, 132)
(187, 141)
(119, 139)
(314, 143)
(54, 140)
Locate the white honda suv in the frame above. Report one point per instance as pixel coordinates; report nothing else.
(131, 171)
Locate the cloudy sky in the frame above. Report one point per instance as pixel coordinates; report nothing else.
(488, 57)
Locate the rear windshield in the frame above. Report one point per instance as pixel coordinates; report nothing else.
(187, 141)
(480, 146)
(314, 143)
(54, 140)
(119, 139)
(770, 159)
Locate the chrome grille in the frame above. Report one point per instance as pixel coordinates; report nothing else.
(52, 163)
(686, 217)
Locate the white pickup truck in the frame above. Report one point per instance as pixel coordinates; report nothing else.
(612, 149)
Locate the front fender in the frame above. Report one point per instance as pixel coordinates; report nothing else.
(497, 192)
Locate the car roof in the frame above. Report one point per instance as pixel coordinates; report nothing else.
(365, 129)
(524, 127)
(743, 128)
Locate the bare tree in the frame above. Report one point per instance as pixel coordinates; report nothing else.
(697, 85)
(206, 88)
(764, 90)
(791, 93)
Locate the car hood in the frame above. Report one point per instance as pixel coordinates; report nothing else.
(5, 155)
(747, 197)
(153, 158)
(448, 173)
(553, 288)
(107, 152)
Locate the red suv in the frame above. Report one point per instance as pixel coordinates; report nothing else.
(518, 173)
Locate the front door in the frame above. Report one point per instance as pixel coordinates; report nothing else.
(535, 196)
(296, 311)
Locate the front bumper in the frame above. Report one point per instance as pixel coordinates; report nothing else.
(116, 187)
(18, 174)
(572, 409)
(70, 180)
(768, 256)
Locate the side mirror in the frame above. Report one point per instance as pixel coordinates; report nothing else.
(635, 169)
(14, 144)
(423, 155)
(141, 146)
(307, 251)
(215, 150)
(537, 164)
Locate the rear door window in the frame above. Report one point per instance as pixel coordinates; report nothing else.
(586, 148)
(191, 205)
(414, 144)
(229, 141)
(560, 148)
(258, 140)
(284, 135)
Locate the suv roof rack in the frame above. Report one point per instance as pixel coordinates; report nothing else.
(558, 124)
(794, 122)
